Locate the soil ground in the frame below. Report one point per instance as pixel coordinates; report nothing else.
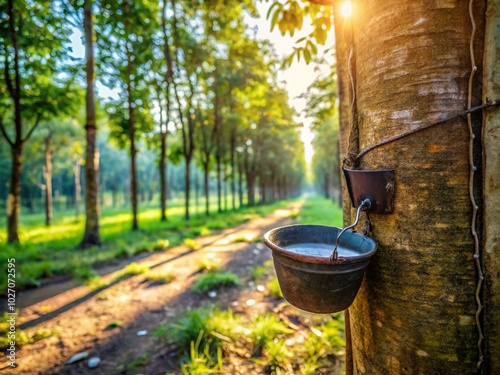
(81, 318)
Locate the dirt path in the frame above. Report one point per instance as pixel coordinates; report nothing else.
(81, 318)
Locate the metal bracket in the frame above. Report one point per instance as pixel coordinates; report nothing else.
(378, 186)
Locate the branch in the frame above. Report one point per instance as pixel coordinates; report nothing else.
(4, 132)
(37, 122)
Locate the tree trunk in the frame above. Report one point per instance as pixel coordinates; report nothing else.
(14, 200)
(250, 189)
(163, 182)
(196, 190)
(219, 185)
(47, 176)
(206, 188)
(78, 186)
(225, 188)
(187, 187)
(240, 183)
(91, 235)
(133, 172)
(491, 160)
(415, 312)
(233, 166)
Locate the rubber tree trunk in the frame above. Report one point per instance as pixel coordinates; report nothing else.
(206, 188)
(415, 312)
(91, 235)
(47, 176)
(187, 187)
(78, 186)
(14, 199)
(491, 189)
(163, 181)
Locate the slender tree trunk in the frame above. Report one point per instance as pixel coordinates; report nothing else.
(491, 189)
(78, 185)
(91, 235)
(14, 200)
(251, 189)
(233, 167)
(416, 310)
(240, 182)
(163, 182)
(47, 176)
(134, 190)
(224, 191)
(187, 186)
(133, 172)
(196, 189)
(219, 184)
(206, 188)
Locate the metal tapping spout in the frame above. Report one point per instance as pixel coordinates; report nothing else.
(365, 204)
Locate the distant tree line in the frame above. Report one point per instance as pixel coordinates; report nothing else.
(194, 89)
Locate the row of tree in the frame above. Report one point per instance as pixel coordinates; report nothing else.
(192, 83)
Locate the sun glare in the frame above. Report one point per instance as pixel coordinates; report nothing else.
(346, 9)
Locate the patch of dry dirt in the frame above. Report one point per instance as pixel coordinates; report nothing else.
(82, 317)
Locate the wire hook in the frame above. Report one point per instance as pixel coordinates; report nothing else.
(334, 258)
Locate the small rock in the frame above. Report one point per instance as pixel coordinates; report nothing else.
(212, 294)
(256, 251)
(260, 246)
(250, 302)
(77, 357)
(261, 288)
(251, 284)
(93, 362)
(235, 303)
(142, 333)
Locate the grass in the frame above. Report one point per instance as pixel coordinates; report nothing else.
(46, 252)
(159, 278)
(319, 210)
(208, 265)
(131, 270)
(206, 338)
(22, 337)
(215, 280)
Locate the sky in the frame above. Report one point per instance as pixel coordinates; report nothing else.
(296, 78)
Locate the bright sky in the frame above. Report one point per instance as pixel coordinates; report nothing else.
(299, 76)
(296, 79)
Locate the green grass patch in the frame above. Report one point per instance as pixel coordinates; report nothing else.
(22, 336)
(134, 365)
(192, 244)
(208, 265)
(131, 270)
(159, 277)
(321, 211)
(206, 338)
(47, 252)
(215, 280)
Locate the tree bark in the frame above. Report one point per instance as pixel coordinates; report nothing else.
(187, 187)
(232, 146)
(415, 312)
(91, 235)
(206, 188)
(14, 199)
(163, 181)
(131, 125)
(491, 163)
(240, 183)
(78, 186)
(47, 176)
